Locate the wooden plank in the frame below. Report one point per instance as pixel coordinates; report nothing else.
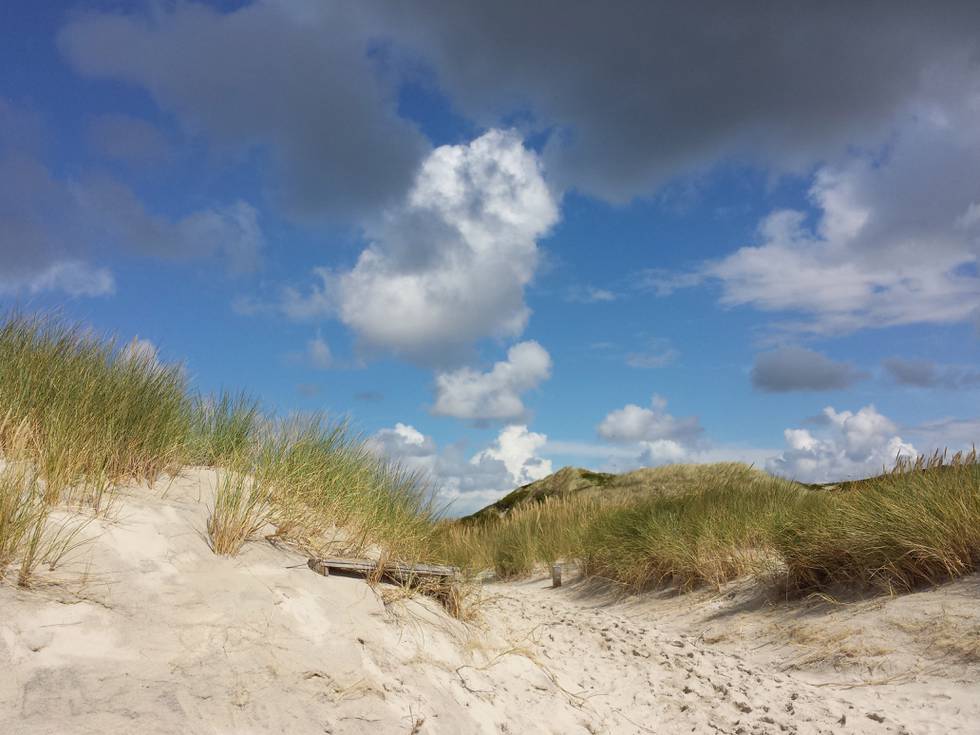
(367, 566)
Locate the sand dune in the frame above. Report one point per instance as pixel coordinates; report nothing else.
(147, 631)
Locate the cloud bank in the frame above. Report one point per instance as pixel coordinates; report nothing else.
(311, 101)
(846, 445)
(467, 482)
(638, 93)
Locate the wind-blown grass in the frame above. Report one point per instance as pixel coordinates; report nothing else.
(328, 487)
(28, 535)
(918, 525)
(93, 414)
(87, 413)
(222, 429)
(79, 414)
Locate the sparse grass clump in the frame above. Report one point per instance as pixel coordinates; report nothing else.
(240, 509)
(28, 534)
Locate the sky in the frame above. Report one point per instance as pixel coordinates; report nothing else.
(501, 238)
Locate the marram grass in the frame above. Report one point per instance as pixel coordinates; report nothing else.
(86, 413)
(92, 413)
(80, 414)
(918, 525)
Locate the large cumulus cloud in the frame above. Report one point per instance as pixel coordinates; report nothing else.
(449, 265)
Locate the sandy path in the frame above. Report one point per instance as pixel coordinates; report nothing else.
(631, 673)
(149, 632)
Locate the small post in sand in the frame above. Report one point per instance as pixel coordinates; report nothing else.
(556, 575)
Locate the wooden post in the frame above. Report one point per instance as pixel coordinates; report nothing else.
(556, 575)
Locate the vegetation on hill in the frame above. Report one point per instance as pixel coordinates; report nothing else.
(568, 481)
(81, 414)
(685, 526)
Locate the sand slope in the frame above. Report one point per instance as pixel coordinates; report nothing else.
(147, 631)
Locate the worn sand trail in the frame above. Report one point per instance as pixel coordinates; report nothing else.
(731, 664)
(147, 631)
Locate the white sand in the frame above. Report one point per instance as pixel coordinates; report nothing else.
(149, 632)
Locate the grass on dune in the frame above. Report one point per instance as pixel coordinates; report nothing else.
(709, 535)
(86, 413)
(328, 491)
(80, 414)
(29, 536)
(918, 525)
(93, 413)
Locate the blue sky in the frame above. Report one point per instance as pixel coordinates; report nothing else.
(502, 243)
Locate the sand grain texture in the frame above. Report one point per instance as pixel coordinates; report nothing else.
(147, 631)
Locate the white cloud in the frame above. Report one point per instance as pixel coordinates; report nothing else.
(517, 448)
(633, 423)
(468, 482)
(896, 241)
(590, 295)
(318, 352)
(72, 277)
(140, 350)
(650, 436)
(846, 445)
(468, 394)
(662, 451)
(449, 265)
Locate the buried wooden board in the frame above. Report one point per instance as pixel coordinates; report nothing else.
(367, 567)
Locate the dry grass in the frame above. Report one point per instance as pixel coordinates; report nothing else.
(240, 510)
(918, 525)
(83, 415)
(945, 635)
(29, 535)
(839, 648)
(86, 413)
(708, 528)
